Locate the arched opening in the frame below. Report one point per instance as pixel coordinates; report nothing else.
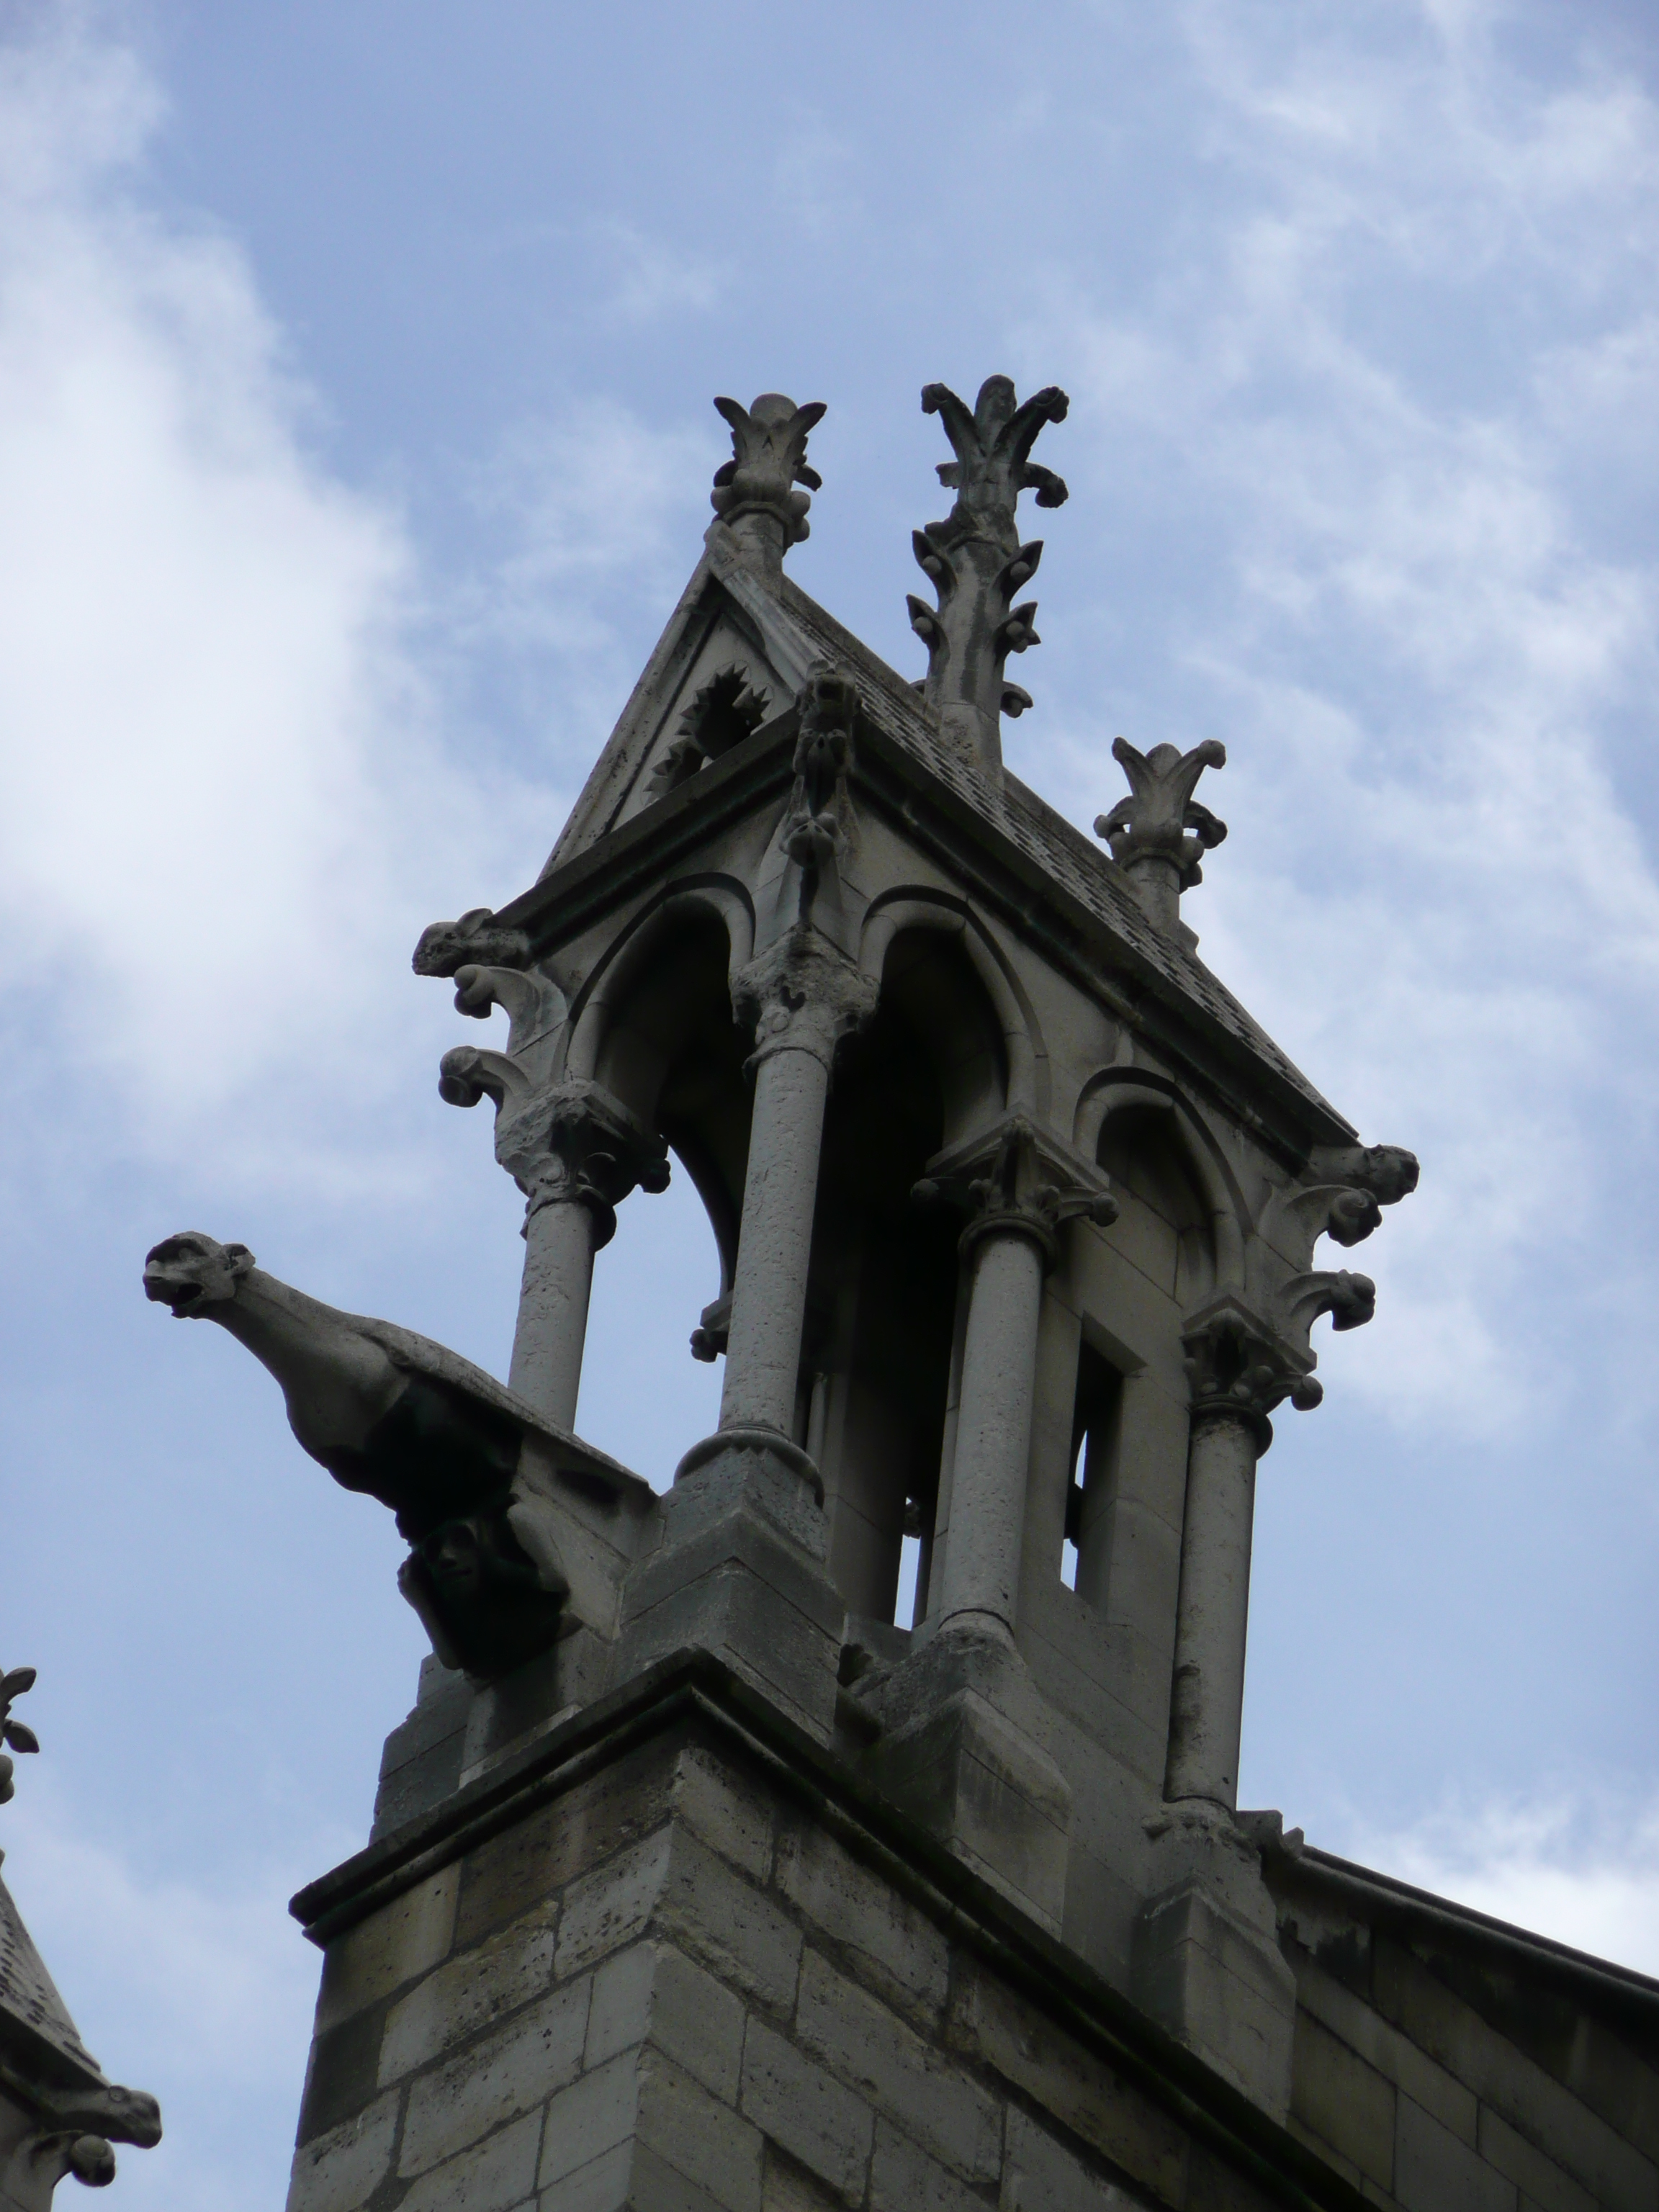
(673, 1054)
(882, 1299)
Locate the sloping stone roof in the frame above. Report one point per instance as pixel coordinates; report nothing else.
(29, 1998)
(1074, 861)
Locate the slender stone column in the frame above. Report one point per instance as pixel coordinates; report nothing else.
(1010, 1244)
(993, 1429)
(575, 1152)
(1239, 1373)
(803, 997)
(1211, 1623)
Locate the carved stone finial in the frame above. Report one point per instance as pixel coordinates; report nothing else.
(14, 1733)
(1159, 832)
(975, 560)
(754, 492)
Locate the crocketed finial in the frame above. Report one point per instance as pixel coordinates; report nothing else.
(1159, 832)
(754, 492)
(976, 562)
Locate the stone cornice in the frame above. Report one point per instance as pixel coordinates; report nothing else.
(693, 1691)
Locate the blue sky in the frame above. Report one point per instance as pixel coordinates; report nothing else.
(355, 440)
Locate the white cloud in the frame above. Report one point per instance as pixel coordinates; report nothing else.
(1418, 642)
(224, 814)
(1583, 1873)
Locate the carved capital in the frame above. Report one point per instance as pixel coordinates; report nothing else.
(1016, 1181)
(754, 492)
(975, 560)
(802, 995)
(1239, 1368)
(1159, 833)
(562, 1143)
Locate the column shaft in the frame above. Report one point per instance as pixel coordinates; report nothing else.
(994, 1432)
(1214, 1611)
(552, 1329)
(780, 1192)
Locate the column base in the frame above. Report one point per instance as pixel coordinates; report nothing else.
(740, 1573)
(961, 1752)
(1207, 1962)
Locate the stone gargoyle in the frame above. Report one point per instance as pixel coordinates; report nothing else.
(518, 1534)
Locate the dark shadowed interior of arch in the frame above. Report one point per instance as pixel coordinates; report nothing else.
(883, 1295)
(674, 1054)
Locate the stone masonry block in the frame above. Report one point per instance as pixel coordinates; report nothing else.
(1342, 2100)
(495, 2081)
(736, 1609)
(727, 1813)
(495, 2175)
(925, 2090)
(1541, 2182)
(1382, 2046)
(807, 2112)
(988, 2022)
(342, 2073)
(653, 1989)
(593, 2115)
(603, 2185)
(470, 1993)
(903, 2179)
(891, 1943)
(787, 2187)
(1221, 1986)
(735, 1929)
(1040, 2175)
(611, 1905)
(991, 1795)
(339, 2172)
(701, 2139)
(1434, 2171)
(403, 1939)
(505, 1878)
(1532, 2102)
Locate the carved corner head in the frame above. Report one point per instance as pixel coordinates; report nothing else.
(192, 1273)
(444, 946)
(754, 492)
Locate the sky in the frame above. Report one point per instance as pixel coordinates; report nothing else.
(356, 363)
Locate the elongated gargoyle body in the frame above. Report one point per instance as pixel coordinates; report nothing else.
(517, 1533)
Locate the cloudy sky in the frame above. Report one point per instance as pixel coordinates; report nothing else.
(355, 440)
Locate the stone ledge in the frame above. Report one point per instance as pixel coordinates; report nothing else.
(693, 1691)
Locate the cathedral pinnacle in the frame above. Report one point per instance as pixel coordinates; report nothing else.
(975, 560)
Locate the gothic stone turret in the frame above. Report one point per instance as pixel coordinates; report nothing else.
(697, 1879)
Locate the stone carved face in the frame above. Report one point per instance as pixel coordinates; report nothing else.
(191, 1272)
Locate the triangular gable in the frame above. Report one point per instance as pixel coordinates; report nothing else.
(726, 626)
(728, 620)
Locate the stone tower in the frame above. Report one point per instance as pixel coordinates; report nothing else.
(696, 1880)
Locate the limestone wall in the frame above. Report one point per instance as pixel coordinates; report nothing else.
(678, 1983)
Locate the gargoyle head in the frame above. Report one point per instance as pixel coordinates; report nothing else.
(191, 1272)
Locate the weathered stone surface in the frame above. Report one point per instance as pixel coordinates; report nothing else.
(403, 1940)
(890, 1942)
(903, 2179)
(1040, 2175)
(900, 2074)
(469, 1993)
(496, 2080)
(495, 2175)
(816, 2118)
(340, 2170)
